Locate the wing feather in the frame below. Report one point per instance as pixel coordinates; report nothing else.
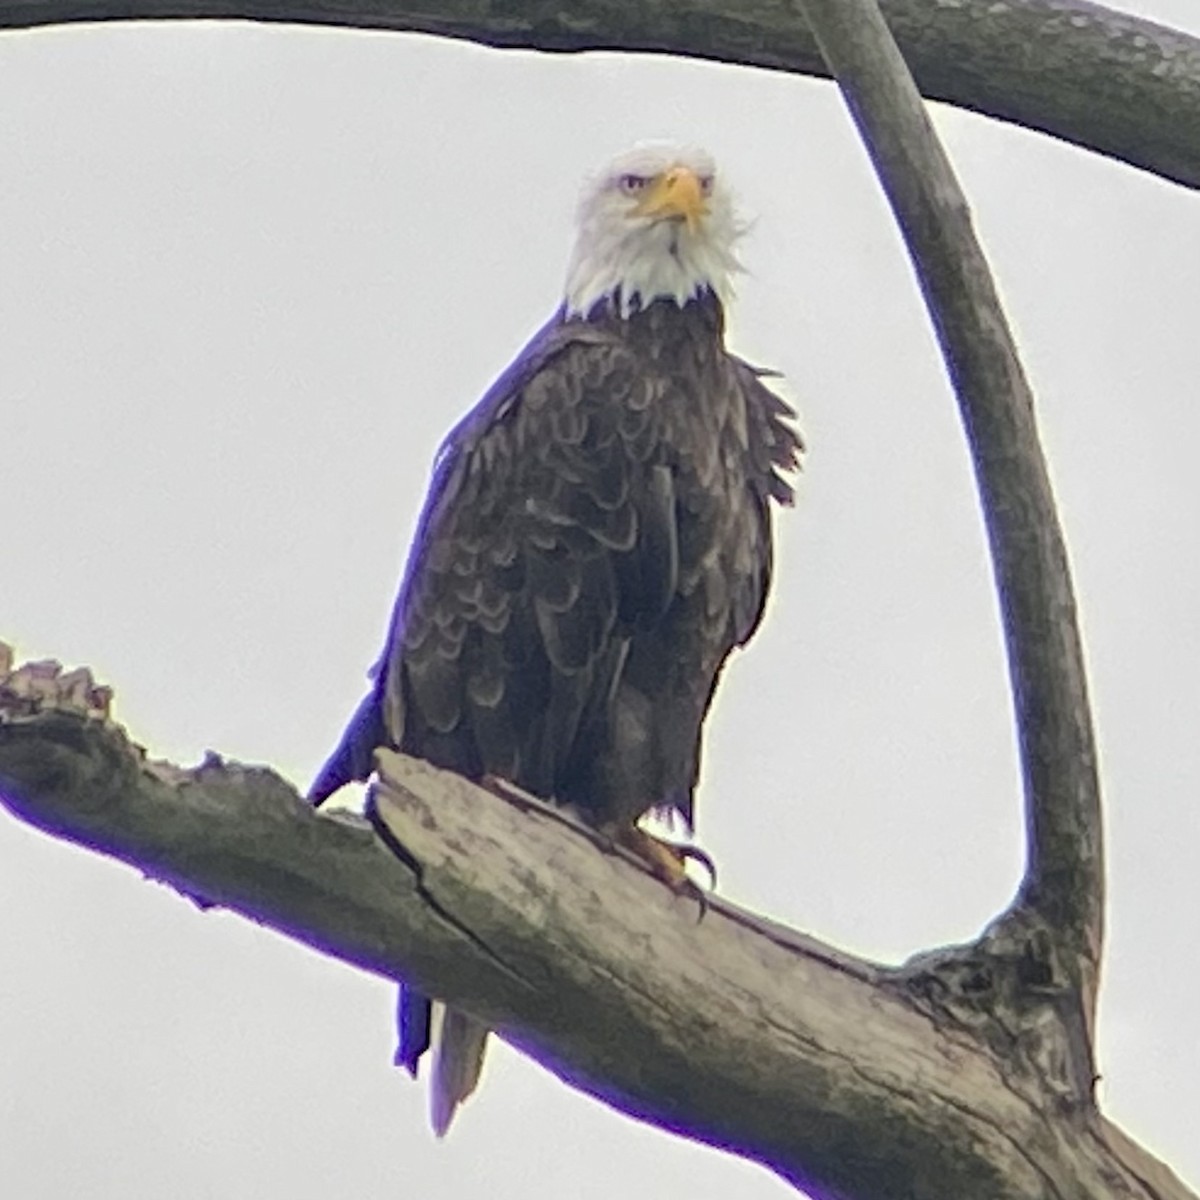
(551, 537)
(595, 540)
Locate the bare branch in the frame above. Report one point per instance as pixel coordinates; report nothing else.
(841, 1076)
(1063, 889)
(1106, 81)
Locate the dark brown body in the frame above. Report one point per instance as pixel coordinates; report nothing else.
(596, 541)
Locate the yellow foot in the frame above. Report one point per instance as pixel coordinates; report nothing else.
(668, 862)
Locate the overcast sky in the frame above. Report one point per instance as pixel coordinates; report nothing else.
(249, 276)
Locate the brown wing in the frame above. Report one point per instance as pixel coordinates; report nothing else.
(549, 538)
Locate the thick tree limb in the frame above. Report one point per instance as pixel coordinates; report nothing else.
(1062, 894)
(842, 1076)
(1124, 87)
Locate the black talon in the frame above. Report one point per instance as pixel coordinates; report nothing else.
(699, 895)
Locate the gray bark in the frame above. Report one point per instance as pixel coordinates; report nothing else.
(850, 1078)
(1063, 887)
(1124, 87)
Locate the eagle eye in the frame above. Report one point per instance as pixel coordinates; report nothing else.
(632, 184)
(706, 185)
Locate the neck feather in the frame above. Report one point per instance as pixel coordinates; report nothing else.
(632, 267)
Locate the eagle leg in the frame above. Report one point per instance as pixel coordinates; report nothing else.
(696, 855)
(668, 861)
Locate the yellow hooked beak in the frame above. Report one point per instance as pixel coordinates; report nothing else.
(675, 193)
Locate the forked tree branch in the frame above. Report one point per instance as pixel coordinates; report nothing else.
(842, 1076)
(1063, 888)
(1109, 82)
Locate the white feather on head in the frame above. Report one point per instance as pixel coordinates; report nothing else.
(620, 251)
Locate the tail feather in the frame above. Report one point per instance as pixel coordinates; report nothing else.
(413, 1019)
(353, 759)
(459, 1042)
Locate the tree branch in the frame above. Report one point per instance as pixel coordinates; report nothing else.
(1121, 86)
(1062, 895)
(842, 1076)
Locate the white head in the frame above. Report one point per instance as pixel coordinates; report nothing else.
(655, 223)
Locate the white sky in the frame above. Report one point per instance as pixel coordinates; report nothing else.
(248, 278)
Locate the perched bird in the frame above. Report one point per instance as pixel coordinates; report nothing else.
(596, 540)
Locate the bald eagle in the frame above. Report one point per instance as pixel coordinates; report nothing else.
(596, 540)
